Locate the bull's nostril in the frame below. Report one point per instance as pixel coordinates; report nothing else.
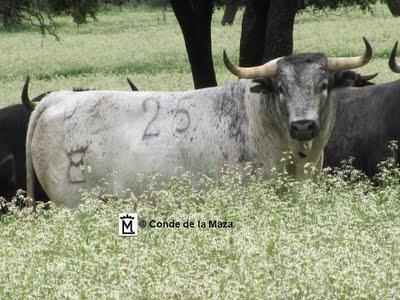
(304, 130)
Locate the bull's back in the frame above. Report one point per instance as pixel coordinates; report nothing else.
(90, 136)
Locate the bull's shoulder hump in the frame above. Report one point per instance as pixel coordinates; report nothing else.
(63, 97)
(348, 94)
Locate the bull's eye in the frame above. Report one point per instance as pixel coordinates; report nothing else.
(324, 89)
(282, 96)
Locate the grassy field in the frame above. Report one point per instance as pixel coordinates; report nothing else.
(334, 238)
(133, 43)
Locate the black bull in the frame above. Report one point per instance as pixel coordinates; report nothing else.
(367, 120)
(13, 127)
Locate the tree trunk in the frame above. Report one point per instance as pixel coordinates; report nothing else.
(10, 13)
(195, 22)
(230, 12)
(279, 30)
(394, 7)
(252, 40)
(267, 31)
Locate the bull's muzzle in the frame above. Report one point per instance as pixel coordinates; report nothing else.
(304, 130)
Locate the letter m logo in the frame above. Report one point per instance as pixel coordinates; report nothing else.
(128, 224)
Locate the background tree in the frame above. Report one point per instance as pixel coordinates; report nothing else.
(231, 9)
(17, 12)
(394, 7)
(267, 31)
(194, 18)
(40, 12)
(78, 9)
(267, 26)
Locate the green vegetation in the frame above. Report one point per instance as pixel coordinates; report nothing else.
(334, 238)
(328, 240)
(135, 43)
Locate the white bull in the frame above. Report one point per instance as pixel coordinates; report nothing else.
(129, 133)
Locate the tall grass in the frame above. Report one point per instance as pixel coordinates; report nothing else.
(333, 238)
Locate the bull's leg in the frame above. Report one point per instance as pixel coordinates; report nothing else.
(7, 177)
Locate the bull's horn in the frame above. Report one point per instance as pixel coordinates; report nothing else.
(25, 97)
(392, 60)
(268, 69)
(133, 87)
(347, 63)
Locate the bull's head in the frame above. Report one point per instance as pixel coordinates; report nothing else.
(301, 85)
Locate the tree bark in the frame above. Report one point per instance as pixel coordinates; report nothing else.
(267, 31)
(230, 12)
(194, 18)
(11, 13)
(279, 29)
(252, 40)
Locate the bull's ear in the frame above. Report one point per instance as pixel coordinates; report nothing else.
(363, 80)
(263, 85)
(350, 78)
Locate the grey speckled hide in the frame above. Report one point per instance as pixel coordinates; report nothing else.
(144, 132)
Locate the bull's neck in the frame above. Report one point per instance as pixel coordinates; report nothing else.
(267, 140)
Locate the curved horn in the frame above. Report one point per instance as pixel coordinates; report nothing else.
(133, 87)
(347, 63)
(268, 69)
(392, 60)
(25, 97)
